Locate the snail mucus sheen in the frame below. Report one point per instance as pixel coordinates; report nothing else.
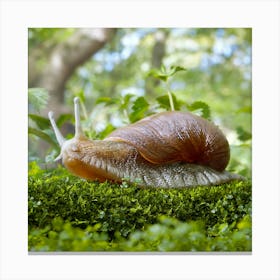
(170, 150)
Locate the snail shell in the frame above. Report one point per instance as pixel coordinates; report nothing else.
(170, 149)
(177, 137)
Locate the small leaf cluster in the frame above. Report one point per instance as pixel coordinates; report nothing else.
(167, 235)
(172, 235)
(38, 98)
(133, 107)
(63, 236)
(39, 126)
(165, 74)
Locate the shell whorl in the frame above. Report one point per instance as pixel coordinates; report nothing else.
(177, 137)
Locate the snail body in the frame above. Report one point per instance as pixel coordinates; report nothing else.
(170, 149)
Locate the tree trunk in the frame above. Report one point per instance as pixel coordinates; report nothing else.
(64, 60)
(158, 54)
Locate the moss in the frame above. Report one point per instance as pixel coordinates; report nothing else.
(120, 210)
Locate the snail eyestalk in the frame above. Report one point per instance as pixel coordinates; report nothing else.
(60, 139)
(78, 127)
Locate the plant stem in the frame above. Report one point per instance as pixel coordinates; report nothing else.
(84, 109)
(126, 115)
(170, 97)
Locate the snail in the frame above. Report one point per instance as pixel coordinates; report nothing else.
(168, 149)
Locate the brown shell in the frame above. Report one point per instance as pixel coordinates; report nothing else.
(177, 137)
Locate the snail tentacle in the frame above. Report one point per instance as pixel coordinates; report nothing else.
(78, 126)
(60, 139)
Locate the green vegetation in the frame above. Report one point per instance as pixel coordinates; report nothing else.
(141, 71)
(138, 72)
(69, 214)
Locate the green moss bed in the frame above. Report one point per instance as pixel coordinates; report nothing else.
(66, 213)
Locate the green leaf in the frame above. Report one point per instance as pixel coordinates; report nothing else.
(157, 74)
(246, 109)
(41, 135)
(163, 74)
(175, 69)
(140, 106)
(63, 118)
(243, 135)
(41, 122)
(223, 227)
(51, 156)
(108, 100)
(108, 129)
(38, 98)
(81, 95)
(164, 103)
(203, 107)
(246, 222)
(125, 101)
(34, 168)
(103, 100)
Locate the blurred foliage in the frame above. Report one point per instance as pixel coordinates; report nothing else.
(171, 235)
(168, 235)
(37, 98)
(204, 70)
(66, 213)
(37, 37)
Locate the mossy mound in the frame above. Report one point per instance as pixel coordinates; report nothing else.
(110, 217)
